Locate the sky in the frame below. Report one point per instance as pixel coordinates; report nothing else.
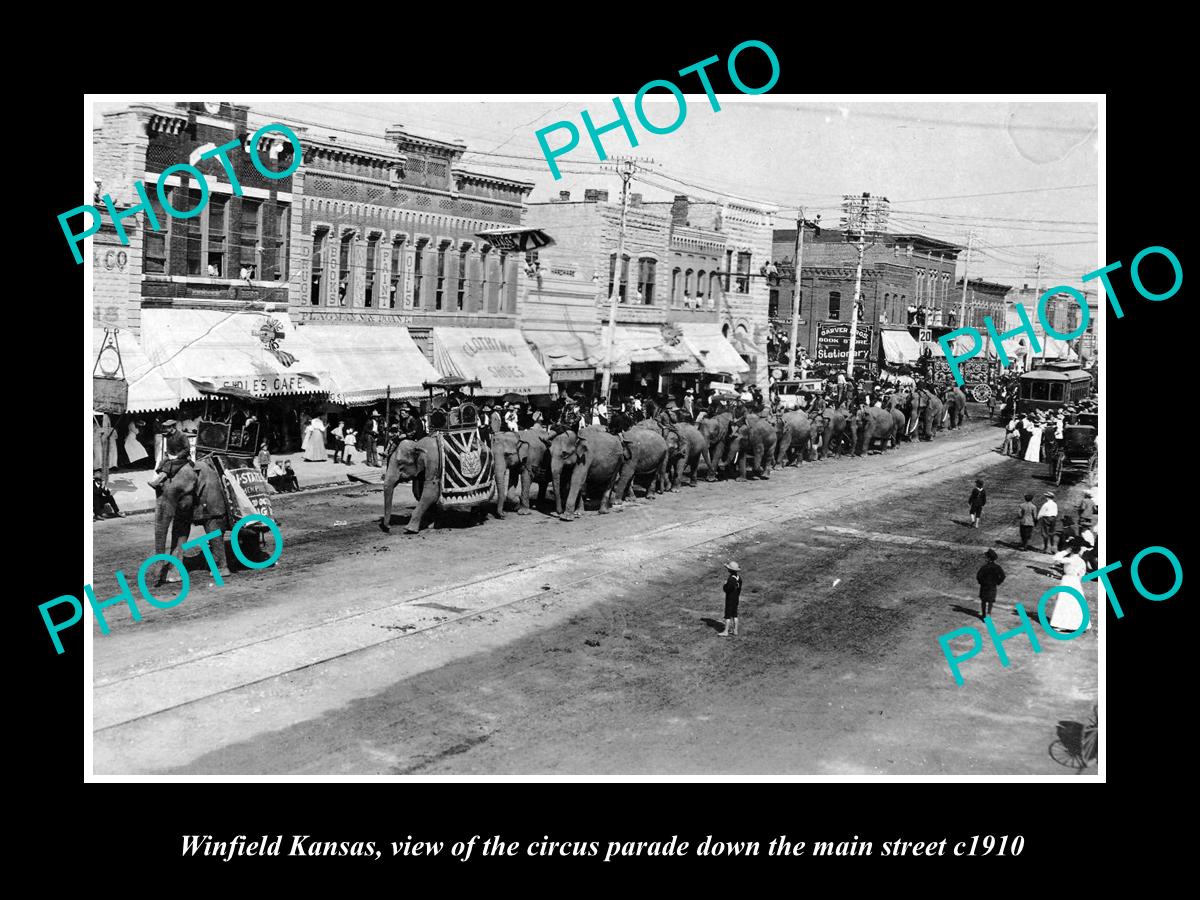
(1022, 175)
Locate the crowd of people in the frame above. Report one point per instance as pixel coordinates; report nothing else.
(1032, 436)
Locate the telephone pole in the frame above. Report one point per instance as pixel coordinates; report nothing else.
(860, 216)
(625, 169)
(962, 311)
(799, 257)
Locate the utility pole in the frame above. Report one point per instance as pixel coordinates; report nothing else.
(799, 257)
(861, 215)
(625, 170)
(962, 312)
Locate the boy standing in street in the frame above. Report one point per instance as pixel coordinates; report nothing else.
(978, 499)
(990, 577)
(1028, 516)
(733, 593)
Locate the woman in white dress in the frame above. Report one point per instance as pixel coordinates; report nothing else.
(1068, 615)
(133, 447)
(314, 441)
(1033, 453)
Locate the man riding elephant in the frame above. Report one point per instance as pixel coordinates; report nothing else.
(753, 437)
(929, 411)
(875, 424)
(839, 431)
(524, 456)
(210, 512)
(592, 458)
(175, 485)
(715, 429)
(647, 455)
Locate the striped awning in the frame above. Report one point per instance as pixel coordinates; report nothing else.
(498, 357)
(369, 362)
(640, 344)
(148, 390)
(712, 348)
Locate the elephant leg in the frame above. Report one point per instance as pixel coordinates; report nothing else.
(181, 528)
(389, 488)
(429, 494)
(710, 473)
(741, 476)
(782, 448)
(680, 465)
(526, 483)
(501, 474)
(164, 515)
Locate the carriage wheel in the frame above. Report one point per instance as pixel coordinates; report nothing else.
(982, 393)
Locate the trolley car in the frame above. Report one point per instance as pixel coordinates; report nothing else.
(1052, 389)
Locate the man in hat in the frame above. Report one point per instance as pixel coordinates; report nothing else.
(733, 593)
(689, 404)
(1087, 510)
(370, 433)
(990, 577)
(176, 488)
(210, 512)
(1027, 517)
(1047, 517)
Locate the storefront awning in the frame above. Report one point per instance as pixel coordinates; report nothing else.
(899, 347)
(640, 344)
(742, 344)
(567, 355)
(260, 353)
(148, 390)
(498, 357)
(364, 361)
(712, 349)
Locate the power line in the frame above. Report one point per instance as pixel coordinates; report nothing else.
(1067, 187)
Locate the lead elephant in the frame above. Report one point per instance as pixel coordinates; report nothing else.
(421, 463)
(716, 432)
(956, 406)
(593, 458)
(929, 412)
(838, 431)
(754, 438)
(875, 424)
(646, 454)
(524, 456)
(173, 512)
(797, 433)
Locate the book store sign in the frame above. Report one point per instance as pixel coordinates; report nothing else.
(833, 342)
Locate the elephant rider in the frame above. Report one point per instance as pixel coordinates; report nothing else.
(407, 428)
(176, 489)
(210, 511)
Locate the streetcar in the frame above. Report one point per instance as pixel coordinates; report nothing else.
(1052, 388)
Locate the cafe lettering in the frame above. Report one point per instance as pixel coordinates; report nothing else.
(266, 384)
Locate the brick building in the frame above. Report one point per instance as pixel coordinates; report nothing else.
(907, 280)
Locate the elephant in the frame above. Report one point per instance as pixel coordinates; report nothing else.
(421, 463)
(797, 431)
(956, 405)
(875, 424)
(173, 511)
(687, 452)
(716, 432)
(901, 425)
(595, 459)
(520, 455)
(754, 437)
(839, 426)
(646, 454)
(929, 412)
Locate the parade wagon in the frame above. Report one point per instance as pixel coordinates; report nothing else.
(468, 470)
(1076, 452)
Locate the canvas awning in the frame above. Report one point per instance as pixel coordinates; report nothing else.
(148, 390)
(498, 357)
(262, 354)
(567, 355)
(640, 344)
(742, 344)
(364, 361)
(899, 347)
(1055, 348)
(712, 349)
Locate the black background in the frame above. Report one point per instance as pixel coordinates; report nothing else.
(1072, 831)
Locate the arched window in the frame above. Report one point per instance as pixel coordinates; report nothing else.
(700, 284)
(714, 287)
(676, 290)
(688, 288)
(646, 269)
(725, 330)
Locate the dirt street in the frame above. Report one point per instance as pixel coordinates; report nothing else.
(534, 646)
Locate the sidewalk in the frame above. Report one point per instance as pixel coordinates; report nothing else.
(133, 492)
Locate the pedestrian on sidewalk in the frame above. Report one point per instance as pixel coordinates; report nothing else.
(1047, 518)
(371, 431)
(733, 594)
(1012, 438)
(1027, 517)
(338, 433)
(990, 577)
(314, 441)
(978, 499)
(349, 445)
(1068, 614)
(264, 459)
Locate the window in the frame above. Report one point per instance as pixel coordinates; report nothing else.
(646, 272)
(835, 304)
(714, 284)
(440, 285)
(319, 262)
(249, 239)
(1056, 391)
(156, 242)
(612, 270)
(485, 300)
(345, 293)
(676, 291)
(462, 276)
(274, 245)
(218, 243)
(394, 275)
(743, 283)
(773, 304)
(688, 288)
(418, 271)
(700, 282)
(370, 275)
(501, 296)
(1041, 390)
(728, 268)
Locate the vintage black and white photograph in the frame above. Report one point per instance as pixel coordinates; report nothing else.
(473, 438)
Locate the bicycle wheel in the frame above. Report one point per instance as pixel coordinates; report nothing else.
(1066, 757)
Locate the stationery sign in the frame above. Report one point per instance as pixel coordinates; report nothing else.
(833, 342)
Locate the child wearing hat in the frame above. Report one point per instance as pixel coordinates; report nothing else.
(1048, 519)
(977, 501)
(733, 593)
(990, 577)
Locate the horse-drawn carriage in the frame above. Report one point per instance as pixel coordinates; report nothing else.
(1077, 452)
